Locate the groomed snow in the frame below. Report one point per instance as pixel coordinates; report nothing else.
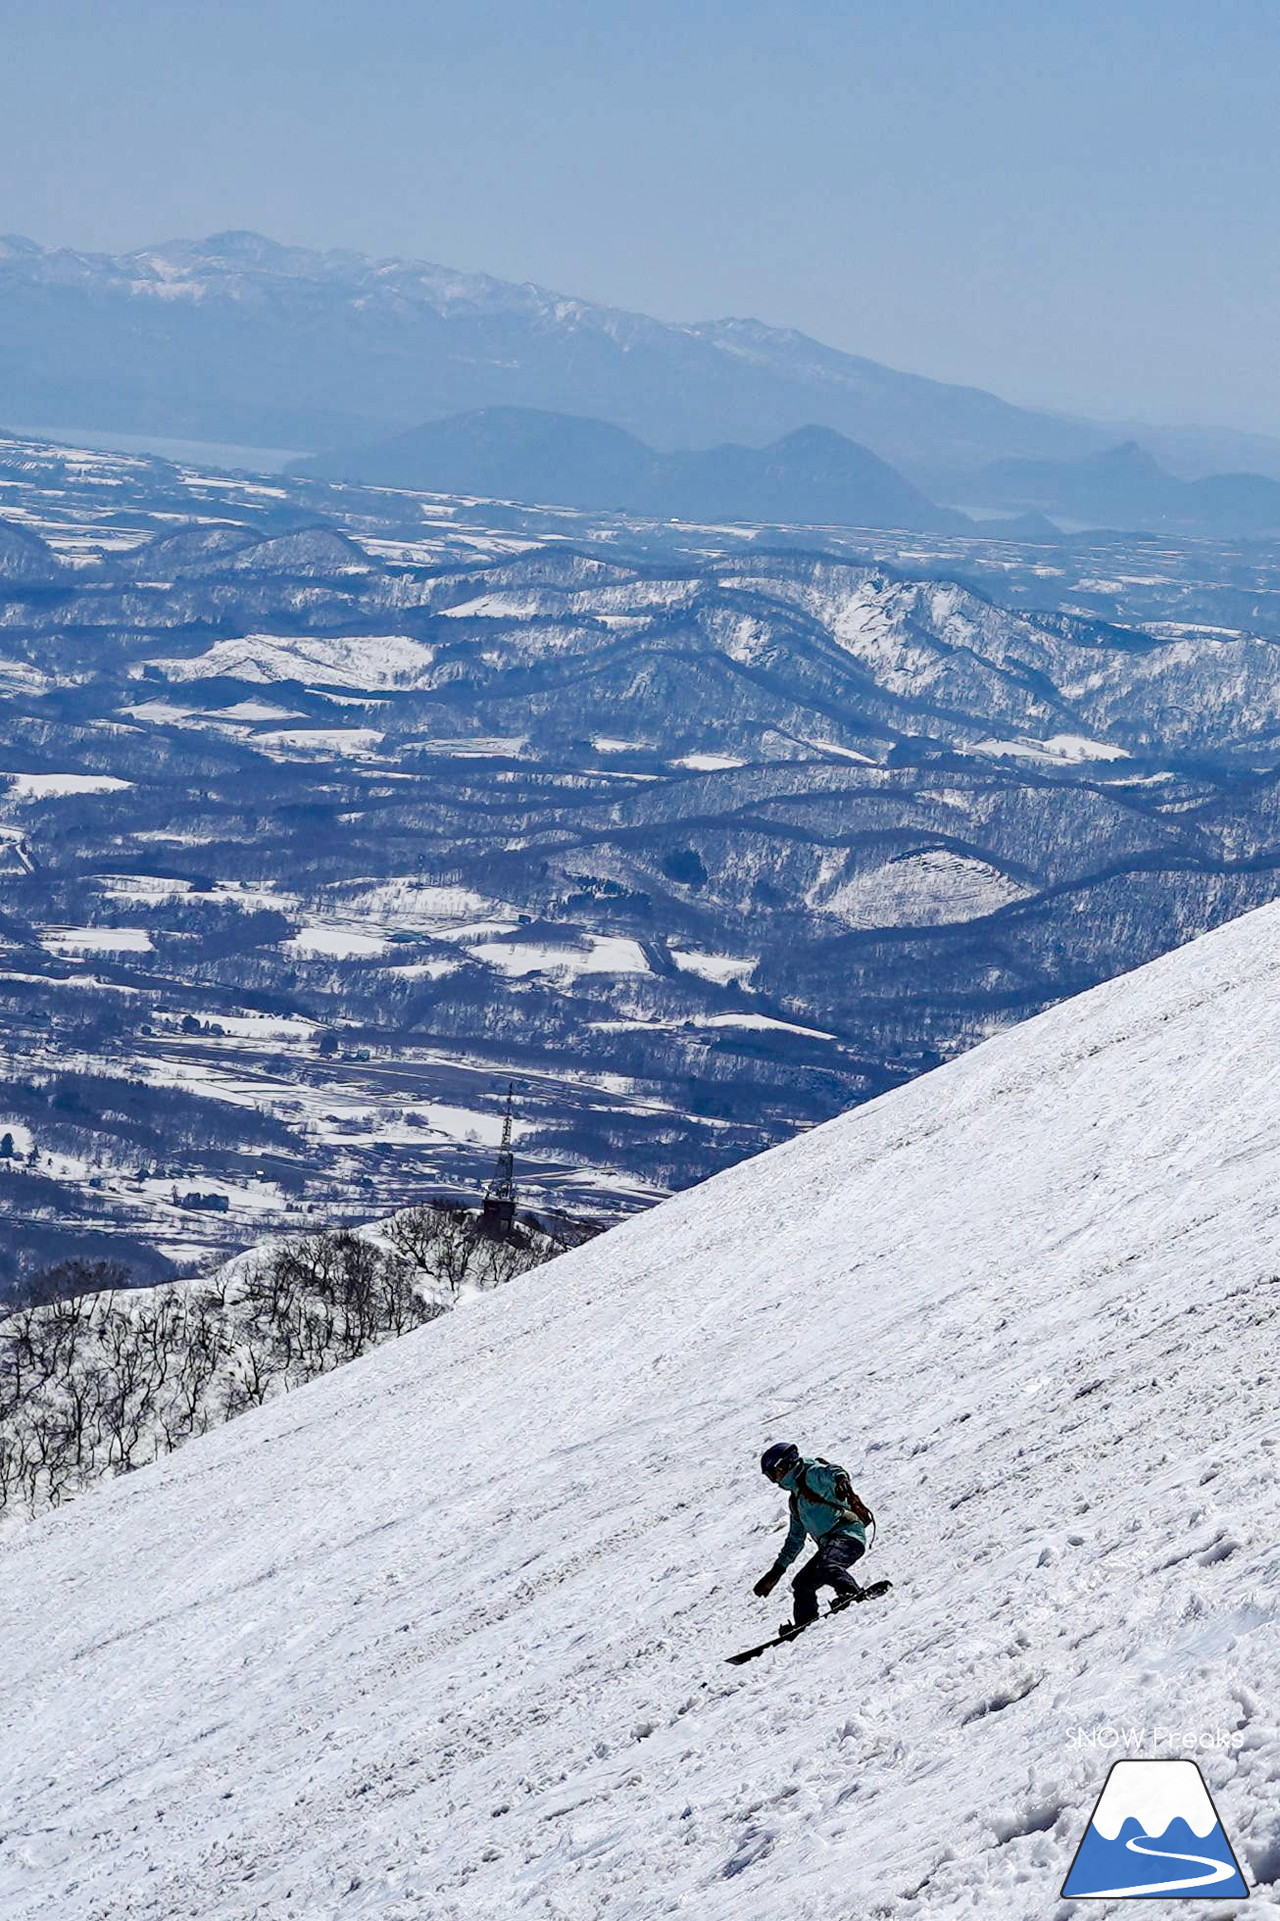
(442, 1634)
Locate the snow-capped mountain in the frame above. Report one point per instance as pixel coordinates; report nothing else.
(306, 350)
(445, 1632)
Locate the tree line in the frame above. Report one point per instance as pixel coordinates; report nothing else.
(98, 1377)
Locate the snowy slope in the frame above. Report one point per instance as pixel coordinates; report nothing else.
(441, 1635)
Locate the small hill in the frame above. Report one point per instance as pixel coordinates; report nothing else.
(1125, 487)
(443, 1634)
(501, 453)
(519, 453)
(25, 559)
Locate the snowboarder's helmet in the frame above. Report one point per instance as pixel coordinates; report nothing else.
(779, 1458)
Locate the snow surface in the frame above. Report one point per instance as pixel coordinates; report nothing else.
(476, 746)
(97, 940)
(759, 1021)
(709, 763)
(595, 954)
(1059, 747)
(441, 1635)
(937, 888)
(346, 943)
(720, 968)
(57, 786)
(350, 660)
(358, 741)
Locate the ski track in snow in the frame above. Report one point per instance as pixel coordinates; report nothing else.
(444, 1634)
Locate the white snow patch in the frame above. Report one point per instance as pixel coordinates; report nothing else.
(97, 940)
(172, 838)
(57, 786)
(720, 968)
(344, 943)
(358, 742)
(928, 889)
(1059, 747)
(142, 887)
(354, 660)
(708, 763)
(600, 954)
(475, 746)
(831, 747)
(432, 970)
(252, 712)
(759, 1021)
(469, 1124)
(496, 606)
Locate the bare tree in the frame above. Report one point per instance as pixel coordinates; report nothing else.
(97, 1378)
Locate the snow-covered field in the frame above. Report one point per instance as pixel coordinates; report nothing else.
(927, 889)
(595, 954)
(442, 1634)
(57, 786)
(363, 661)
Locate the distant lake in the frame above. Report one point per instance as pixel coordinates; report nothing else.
(210, 453)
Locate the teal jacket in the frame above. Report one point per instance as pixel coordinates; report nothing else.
(815, 1512)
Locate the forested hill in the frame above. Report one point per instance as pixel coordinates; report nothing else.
(328, 812)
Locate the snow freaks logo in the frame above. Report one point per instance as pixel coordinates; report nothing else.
(1154, 1831)
(1155, 1737)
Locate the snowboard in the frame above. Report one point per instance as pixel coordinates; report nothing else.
(871, 1593)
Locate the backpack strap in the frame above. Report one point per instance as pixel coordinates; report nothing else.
(850, 1508)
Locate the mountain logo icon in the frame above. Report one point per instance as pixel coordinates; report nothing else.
(1155, 1832)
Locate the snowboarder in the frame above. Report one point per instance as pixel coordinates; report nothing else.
(825, 1508)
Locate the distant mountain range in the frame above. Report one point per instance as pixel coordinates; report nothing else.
(701, 836)
(517, 453)
(238, 339)
(813, 476)
(1126, 488)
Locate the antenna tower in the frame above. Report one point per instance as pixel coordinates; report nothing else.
(498, 1212)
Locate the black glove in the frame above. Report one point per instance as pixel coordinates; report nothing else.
(767, 1583)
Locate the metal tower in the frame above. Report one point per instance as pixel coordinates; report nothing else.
(498, 1212)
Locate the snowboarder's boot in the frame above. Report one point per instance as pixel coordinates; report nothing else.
(788, 1630)
(847, 1599)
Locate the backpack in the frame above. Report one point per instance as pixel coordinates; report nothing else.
(851, 1506)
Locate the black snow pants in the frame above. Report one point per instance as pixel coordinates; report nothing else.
(829, 1567)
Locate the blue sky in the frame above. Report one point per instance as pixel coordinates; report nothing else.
(1074, 206)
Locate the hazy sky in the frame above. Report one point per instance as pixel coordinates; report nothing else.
(1075, 204)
